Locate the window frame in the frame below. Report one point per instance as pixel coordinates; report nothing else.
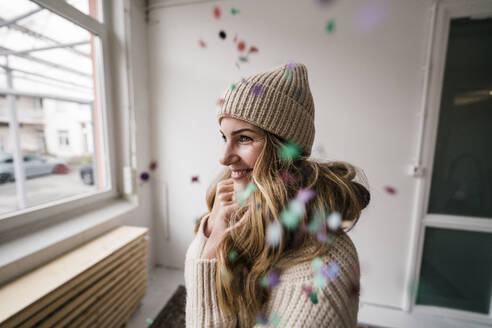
(441, 15)
(82, 202)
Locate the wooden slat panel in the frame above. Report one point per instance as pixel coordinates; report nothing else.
(73, 307)
(27, 290)
(125, 307)
(101, 277)
(123, 293)
(107, 295)
(124, 315)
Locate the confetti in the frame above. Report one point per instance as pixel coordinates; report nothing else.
(319, 281)
(243, 59)
(195, 178)
(153, 165)
(149, 321)
(243, 195)
(334, 220)
(289, 219)
(291, 66)
(289, 151)
(314, 298)
(370, 16)
(252, 49)
(261, 318)
(258, 206)
(233, 87)
(390, 190)
(307, 289)
(144, 176)
(257, 89)
(330, 26)
(274, 233)
(298, 93)
(221, 101)
(202, 44)
(235, 38)
(287, 178)
(241, 45)
(234, 11)
(232, 255)
(323, 238)
(288, 74)
(217, 12)
(332, 270)
(316, 263)
(272, 278)
(304, 195)
(275, 319)
(222, 35)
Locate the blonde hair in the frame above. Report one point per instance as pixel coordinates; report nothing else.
(334, 190)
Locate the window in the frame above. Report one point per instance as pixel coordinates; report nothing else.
(63, 139)
(455, 271)
(53, 79)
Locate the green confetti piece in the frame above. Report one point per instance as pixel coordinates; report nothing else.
(288, 74)
(243, 195)
(234, 11)
(289, 219)
(316, 263)
(149, 321)
(330, 26)
(275, 319)
(264, 282)
(232, 255)
(233, 87)
(289, 151)
(319, 281)
(314, 298)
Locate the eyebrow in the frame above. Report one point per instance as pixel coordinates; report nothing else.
(239, 131)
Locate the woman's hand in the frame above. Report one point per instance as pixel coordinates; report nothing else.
(218, 221)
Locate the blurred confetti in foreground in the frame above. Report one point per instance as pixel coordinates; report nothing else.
(144, 176)
(243, 195)
(289, 151)
(216, 12)
(149, 321)
(334, 221)
(275, 319)
(257, 89)
(274, 233)
(153, 165)
(195, 178)
(271, 279)
(202, 44)
(370, 15)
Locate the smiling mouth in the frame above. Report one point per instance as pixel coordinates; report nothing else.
(240, 173)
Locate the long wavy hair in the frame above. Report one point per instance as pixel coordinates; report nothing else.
(238, 280)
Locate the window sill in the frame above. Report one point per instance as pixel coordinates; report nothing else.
(34, 248)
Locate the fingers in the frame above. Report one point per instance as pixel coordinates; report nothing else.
(226, 197)
(225, 186)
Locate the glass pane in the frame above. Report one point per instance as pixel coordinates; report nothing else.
(8, 198)
(52, 67)
(462, 173)
(456, 270)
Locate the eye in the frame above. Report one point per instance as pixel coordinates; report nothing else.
(246, 138)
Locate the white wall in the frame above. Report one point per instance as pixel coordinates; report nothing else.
(366, 79)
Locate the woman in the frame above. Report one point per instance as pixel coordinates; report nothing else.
(272, 249)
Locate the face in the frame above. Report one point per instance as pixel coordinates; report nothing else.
(242, 145)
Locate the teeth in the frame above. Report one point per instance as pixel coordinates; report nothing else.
(239, 173)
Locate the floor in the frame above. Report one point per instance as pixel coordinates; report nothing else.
(161, 286)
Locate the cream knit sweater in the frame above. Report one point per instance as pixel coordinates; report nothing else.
(337, 306)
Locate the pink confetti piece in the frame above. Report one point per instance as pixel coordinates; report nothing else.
(195, 179)
(153, 165)
(390, 190)
(241, 46)
(287, 178)
(304, 195)
(253, 49)
(221, 101)
(202, 44)
(217, 12)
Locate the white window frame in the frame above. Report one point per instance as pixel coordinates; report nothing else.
(442, 13)
(81, 203)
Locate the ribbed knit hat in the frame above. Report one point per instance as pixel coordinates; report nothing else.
(277, 101)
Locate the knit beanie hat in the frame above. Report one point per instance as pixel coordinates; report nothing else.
(277, 101)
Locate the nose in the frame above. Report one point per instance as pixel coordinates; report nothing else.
(228, 155)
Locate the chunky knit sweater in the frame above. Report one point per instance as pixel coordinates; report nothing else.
(337, 305)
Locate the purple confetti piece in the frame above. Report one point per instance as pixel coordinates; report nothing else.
(194, 178)
(144, 176)
(291, 66)
(304, 195)
(273, 277)
(370, 15)
(257, 89)
(298, 94)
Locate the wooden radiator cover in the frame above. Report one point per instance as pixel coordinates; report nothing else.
(99, 284)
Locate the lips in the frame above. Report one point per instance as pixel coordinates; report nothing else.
(238, 174)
